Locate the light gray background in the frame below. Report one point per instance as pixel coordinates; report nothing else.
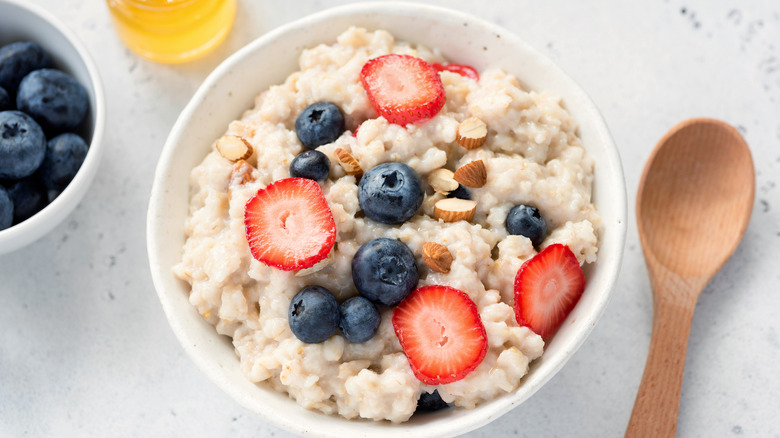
(85, 349)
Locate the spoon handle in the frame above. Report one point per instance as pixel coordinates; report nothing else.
(658, 399)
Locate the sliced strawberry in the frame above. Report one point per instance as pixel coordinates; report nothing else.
(289, 224)
(463, 70)
(403, 89)
(546, 289)
(441, 333)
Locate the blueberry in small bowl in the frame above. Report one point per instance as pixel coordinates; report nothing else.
(29, 197)
(63, 158)
(6, 209)
(18, 59)
(54, 98)
(5, 100)
(22, 145)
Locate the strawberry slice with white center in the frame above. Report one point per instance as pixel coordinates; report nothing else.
(441, 333)
(547, 287)
(289, 224)
(402, 89)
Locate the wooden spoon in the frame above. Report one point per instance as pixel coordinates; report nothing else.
(693, 205)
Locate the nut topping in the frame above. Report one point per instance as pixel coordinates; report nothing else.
(442, 180)
(437, 257)
(241, 174)
(349, 163)
(234, 148)
(454, 209)
(472, 174)
(472, 133)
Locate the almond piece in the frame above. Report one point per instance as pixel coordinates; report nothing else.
(242, 129)
(454, 209)
(437, 257)
(442, 180)
(241, 174)
(234, 148)
(472, 174)
(348, 162)
(472, 133)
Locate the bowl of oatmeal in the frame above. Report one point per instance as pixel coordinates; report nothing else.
(502, 124)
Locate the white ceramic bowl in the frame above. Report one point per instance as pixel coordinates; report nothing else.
(20, 20)
(230, 90)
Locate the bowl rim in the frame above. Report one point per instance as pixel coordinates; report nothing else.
(610, 268)
(42, 222)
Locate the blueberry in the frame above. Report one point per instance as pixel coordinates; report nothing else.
(384, 271)
(318, 124)
(314, 314)
(54, 98)
(430, 401)
(461, 192)
(29, 197)
(311, 164)
(22, 145)
(6, 209)
(525, 220)
(359, 319)
(390, 193)
(17, 60)
(64, 155)
(5, 100)
(52, 195)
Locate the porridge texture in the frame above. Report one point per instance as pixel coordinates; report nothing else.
(532, 155)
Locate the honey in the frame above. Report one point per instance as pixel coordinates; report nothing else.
(172, 31)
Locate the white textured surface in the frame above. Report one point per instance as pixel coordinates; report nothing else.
(85, 349)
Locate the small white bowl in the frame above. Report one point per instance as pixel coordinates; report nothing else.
(22, 21)
(230, 90)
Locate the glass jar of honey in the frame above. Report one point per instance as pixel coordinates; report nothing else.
(172, 31)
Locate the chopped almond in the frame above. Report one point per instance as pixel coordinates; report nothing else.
(241, 174)
(454, 209)
(442, 180)
(349, 163)
(437, 257)
(472, 133)
(234, 148)
(472, 174)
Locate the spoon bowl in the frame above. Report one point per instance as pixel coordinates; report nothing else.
(693, 206)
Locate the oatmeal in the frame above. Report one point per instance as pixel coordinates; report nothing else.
(530, 155)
